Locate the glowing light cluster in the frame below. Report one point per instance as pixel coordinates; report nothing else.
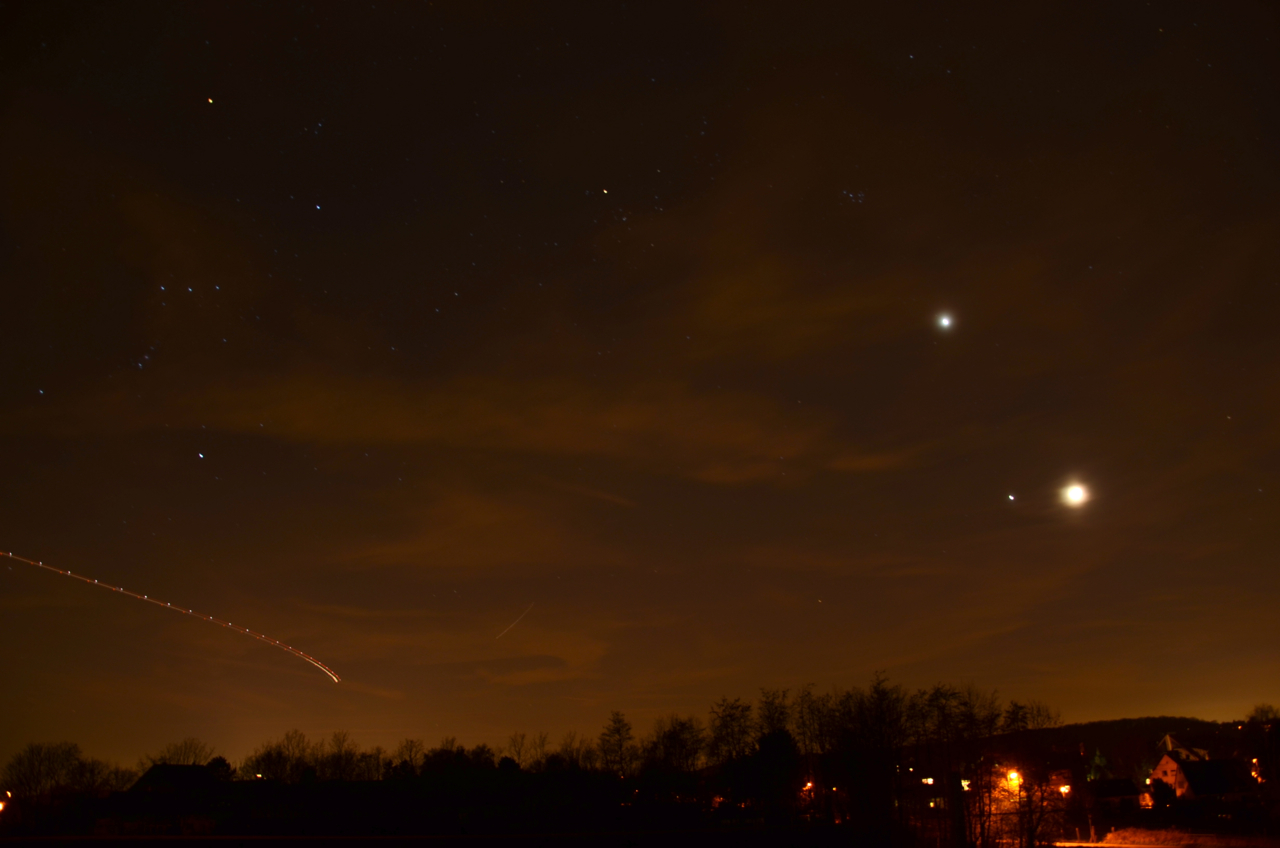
(261, 637)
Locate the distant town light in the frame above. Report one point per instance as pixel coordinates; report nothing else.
(1015, 778)
(964, 784)
(1065, 790)
(928, 780)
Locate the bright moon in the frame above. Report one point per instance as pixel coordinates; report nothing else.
(944, 321)
(1075, 495)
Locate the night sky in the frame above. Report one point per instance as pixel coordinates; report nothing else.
(369, 326)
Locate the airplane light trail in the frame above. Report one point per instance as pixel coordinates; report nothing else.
(514, 623)
(259, 636)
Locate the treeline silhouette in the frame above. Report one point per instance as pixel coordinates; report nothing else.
(881, 762)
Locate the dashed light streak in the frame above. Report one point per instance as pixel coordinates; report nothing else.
(261, 637)
(514, 623)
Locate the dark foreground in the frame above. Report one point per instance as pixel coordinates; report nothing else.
(726, 838)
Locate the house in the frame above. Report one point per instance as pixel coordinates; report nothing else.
(1169, 771)
(1227, 780)
(1204, 778)
(1178, 751)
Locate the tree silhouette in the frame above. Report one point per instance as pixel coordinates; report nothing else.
(517, 744)
(675, 745)
(189, 752)
(928, 767)
(221, 769)
(538, 750)
(615, 744)
(577, 751)
(291, 760)
(411, 752)
(774, 711)
(1264, 714)
(339, 760)
(39, 768)
(732, 734)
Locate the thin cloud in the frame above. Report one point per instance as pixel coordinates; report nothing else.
(716, 437)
